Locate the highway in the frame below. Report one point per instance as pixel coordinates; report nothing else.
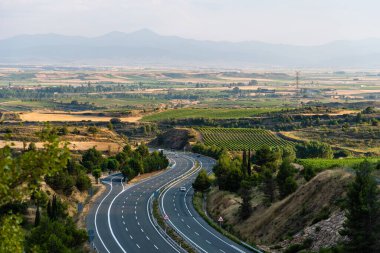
(185, 219)
(120, 222)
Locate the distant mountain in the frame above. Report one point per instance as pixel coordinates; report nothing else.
(147, 48)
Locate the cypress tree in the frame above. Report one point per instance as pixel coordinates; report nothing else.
(244, 164)
(54, 207)
(249, 170)
(48, 209)
(245, 207)
(38, 216)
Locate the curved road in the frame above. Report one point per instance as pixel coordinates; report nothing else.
(185, 219)
(120, 222)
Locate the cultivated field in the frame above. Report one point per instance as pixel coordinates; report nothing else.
(209, 113)
(40, 116)
(319, 164)
(241, 138)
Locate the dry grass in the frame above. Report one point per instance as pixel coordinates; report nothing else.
(268, 225)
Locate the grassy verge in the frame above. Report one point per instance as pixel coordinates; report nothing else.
(197, 203)
(171, 232)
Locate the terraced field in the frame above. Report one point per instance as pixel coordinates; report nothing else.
(241, 138)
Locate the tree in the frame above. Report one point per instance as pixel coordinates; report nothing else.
(285, 179)
(110, 126)
(11, 234)
(268, 156)
(37, 218)
(136, 165)
(93, 130)
(92, 158)
(249, 163)
(228, 173)
(97, 173)
(32, 146)
(308, 173)
(202, 181)
(362, 212)
(83, 182)
(314, 149)
(268, 184)
(143, 150)
(245, 209)
(244, 162)
(127, 172)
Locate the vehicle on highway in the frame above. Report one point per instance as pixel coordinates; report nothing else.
(182, 189)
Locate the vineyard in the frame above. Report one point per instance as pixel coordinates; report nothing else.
(241, 138)
(209, 113)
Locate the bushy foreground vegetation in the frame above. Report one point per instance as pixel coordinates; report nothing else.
(241, 138)
(21, 175)
(21, 189)
(130, 162)
(271, 170)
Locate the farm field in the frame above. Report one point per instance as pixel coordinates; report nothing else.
(68, 117)
(241, 138)
(210, 113)
(319, 164)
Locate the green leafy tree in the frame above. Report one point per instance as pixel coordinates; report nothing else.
(363, 212)
(268, 184)
(127, 172)
(21, 175)
(143, 150)
(308, 173)
(11, 234)
(228, 173)
(267, 156)
(83, 182)
(110, 126)
(314, 149)
(97, 172)
(92, 158)
(285, 179)
(202, 181)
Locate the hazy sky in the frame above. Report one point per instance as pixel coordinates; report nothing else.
(278, 21)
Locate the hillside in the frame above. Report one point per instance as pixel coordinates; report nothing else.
(176, 138)
(151, 49)
(313, 202)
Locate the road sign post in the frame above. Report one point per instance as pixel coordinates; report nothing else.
(220, 220)
(166, 218)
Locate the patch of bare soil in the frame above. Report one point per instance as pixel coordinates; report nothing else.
(44, 116)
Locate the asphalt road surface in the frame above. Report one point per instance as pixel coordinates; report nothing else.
(119, 221)
(185, 219)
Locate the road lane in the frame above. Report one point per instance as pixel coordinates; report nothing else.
(119, 218)
(184, 218)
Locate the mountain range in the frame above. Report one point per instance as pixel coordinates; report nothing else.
(147, 48)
